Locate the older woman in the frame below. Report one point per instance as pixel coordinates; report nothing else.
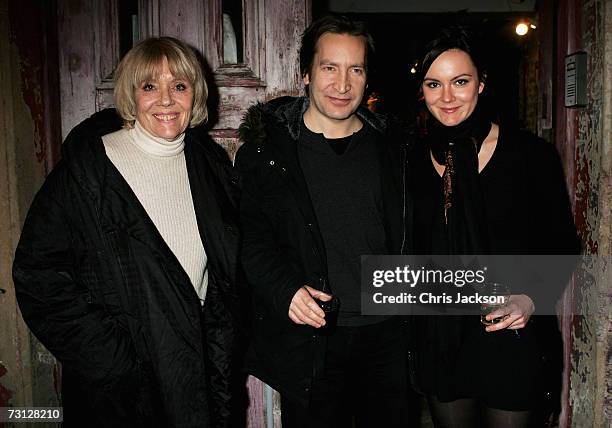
(482, 188)
(125, 269)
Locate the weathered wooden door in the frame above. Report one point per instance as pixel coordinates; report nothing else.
(250, 48)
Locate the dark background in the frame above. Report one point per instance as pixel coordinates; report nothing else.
(400, 38)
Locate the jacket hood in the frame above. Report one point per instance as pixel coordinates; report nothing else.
(288, 111)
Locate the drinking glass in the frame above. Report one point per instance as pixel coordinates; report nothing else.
(330, 306)
(500, 291)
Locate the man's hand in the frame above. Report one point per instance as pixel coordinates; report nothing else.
(516, 313)
(305, 310)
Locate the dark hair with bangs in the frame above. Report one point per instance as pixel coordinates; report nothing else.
(455, 37)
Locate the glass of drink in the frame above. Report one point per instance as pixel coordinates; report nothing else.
(330, 306)
(498, 294)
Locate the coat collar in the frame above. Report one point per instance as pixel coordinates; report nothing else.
(84, 155)
(275, 124)
(118, 208)
(289, 112)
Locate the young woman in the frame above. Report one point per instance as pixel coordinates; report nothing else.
(481, 188)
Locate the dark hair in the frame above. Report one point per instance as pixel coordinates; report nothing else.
(334, 24)
(456, 37)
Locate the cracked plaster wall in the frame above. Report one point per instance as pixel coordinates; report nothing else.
(591, 371)
(27, 369)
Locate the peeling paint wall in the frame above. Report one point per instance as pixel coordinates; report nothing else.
(27, 370)
(529, 85)
(591, 371)
(14, 357)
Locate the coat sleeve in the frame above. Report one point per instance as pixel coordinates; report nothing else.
(55, 300)
(220, 353)
(273, 276)
(552, 227)
(555, 221)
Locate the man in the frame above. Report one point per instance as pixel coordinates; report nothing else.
(322, 185)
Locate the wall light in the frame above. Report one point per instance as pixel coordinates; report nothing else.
(521, 28)
(414, 67)
(524, 26)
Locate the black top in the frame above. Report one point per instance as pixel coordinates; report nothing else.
(526, 211)
(343, 178)
(282, 247)
(524, 198)
(502, 196)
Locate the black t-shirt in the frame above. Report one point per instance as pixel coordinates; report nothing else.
(343, 178)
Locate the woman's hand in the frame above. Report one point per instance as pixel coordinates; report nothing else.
(515, 314)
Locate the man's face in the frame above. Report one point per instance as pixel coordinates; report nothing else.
(337, 78)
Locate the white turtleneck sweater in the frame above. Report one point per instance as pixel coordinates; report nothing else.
(156, 171)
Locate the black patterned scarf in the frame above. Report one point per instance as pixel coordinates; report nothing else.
(457, 147)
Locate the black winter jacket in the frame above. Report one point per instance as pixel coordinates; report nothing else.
(99, 287)
(282, 246)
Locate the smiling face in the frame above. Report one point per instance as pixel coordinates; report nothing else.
(163, 104)
(451, 87)
(337, 79)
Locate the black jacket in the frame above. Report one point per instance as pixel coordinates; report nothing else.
(99, 287)
(282, 246)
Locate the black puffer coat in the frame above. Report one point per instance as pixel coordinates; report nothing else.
(99, 287)
(283, 248)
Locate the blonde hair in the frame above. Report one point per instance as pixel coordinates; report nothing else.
(144, 61)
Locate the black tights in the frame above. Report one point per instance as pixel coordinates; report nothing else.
(470, 413)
